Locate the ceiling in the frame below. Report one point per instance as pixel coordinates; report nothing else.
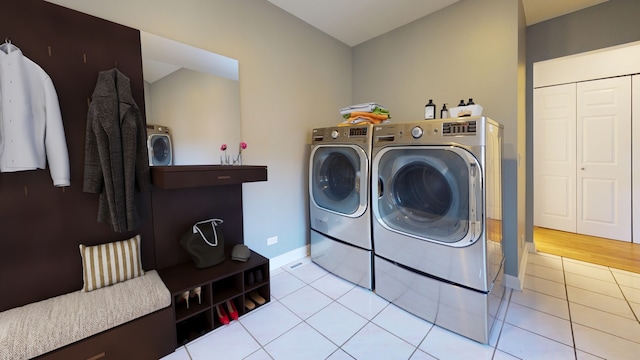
(356, 21)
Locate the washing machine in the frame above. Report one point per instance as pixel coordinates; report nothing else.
(437, 220)
(339, 209)
(159, 145)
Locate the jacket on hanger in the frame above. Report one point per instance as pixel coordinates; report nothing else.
(116, 161)
(31, 129)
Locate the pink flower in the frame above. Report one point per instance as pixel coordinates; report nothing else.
(243, 145)
(223, 147)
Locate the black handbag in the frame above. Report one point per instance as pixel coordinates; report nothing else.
(205, 243)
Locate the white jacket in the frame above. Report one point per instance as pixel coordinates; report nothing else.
(31, 130)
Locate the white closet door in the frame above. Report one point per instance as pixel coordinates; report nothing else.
(635, 125)
(604, 158)
(554, 166)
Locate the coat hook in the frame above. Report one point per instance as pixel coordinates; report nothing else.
(49, 47)
(26, 193)
(7, 40)
(84, 58)
(116, 64)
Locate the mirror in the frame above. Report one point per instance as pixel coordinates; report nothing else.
(196, 94)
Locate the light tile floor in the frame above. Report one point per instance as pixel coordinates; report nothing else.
(568, 310)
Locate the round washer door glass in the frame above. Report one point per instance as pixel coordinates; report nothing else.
(429, 193)
(159, 149)
(338, 179)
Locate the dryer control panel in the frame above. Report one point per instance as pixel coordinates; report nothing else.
(342, 134)
(459, 128)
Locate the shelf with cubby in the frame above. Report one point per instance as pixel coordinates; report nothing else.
(228, 281)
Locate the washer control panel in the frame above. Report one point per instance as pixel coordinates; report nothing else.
(459, 128)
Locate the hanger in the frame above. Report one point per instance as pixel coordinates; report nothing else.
(7, 46)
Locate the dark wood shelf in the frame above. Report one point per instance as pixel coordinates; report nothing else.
(224, 282)
(191, 176)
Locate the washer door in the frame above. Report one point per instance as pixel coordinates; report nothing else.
(159, 146)
(338, 181)
(429, 192)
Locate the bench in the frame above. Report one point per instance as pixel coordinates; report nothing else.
(116, 321)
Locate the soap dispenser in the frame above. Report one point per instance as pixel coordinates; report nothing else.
(430, 110)
(444, 113)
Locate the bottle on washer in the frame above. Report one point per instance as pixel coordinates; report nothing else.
(430, 110)
(444, 113)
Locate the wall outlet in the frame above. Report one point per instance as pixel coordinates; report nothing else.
(272, 240)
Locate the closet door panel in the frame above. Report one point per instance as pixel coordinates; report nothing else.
(555, 157)
(604, 158)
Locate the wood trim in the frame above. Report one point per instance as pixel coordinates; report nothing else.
(612, 253)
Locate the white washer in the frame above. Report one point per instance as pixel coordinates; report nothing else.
(437, 220)
(339, 208)
(159, 145)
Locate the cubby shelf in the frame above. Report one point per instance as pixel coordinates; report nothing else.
(218, 284)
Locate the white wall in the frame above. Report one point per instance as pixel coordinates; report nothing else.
(292, 78)
(472, 49)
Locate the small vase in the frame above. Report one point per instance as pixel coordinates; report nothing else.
(237, 160)
(224, 159)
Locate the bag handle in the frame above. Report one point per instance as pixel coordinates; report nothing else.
(214, 223)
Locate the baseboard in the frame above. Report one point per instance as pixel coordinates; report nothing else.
(517, 283)
(289, 257)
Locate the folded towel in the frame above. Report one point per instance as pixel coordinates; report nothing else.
(365, 107)
(361, 121)
(377, 110)
(360, 118)
(368, 115)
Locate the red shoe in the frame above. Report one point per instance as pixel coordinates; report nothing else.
(222, 315)
(232, 310)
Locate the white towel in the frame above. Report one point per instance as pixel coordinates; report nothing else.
(365, 107)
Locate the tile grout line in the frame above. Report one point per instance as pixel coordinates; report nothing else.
(615, 279)
(566, 291)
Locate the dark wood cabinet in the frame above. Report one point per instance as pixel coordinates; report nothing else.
(229, 281)
(182, 196)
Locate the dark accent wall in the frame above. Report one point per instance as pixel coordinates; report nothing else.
(611, 23)
(41, 225)
(175, 211)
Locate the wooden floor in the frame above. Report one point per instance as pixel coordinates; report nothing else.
(612, 253)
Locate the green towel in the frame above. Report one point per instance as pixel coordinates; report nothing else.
(376, 110)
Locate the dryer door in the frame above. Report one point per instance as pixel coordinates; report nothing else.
(429, 192)
(338, 179)
(159, 146)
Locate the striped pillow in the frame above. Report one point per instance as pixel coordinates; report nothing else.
(111, 263)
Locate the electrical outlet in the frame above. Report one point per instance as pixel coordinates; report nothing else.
(272, 240)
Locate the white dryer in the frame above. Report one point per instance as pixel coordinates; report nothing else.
(339, 209)
(159, 145)
(437, 220)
